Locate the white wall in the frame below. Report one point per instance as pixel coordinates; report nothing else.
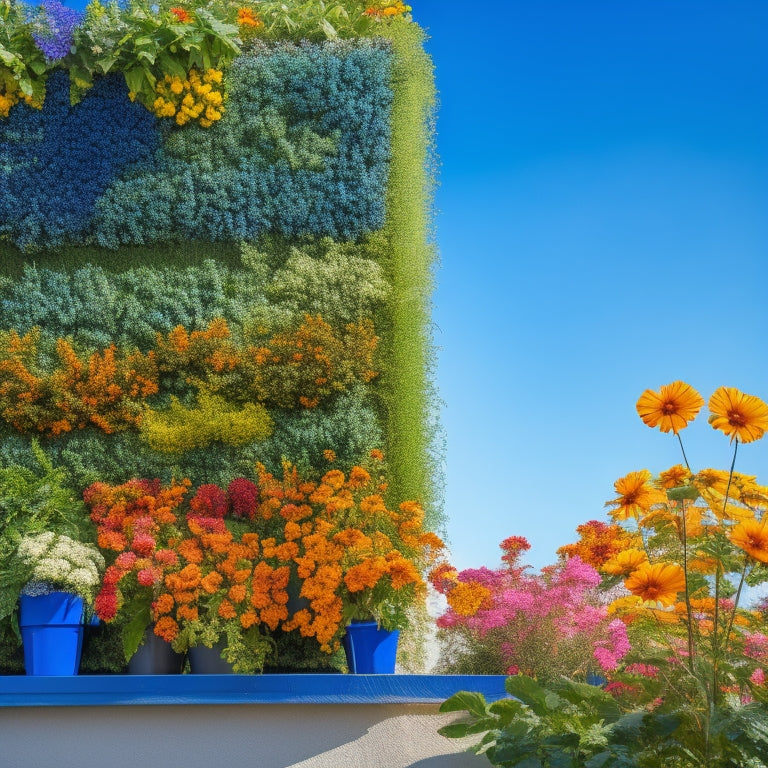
(231, 736)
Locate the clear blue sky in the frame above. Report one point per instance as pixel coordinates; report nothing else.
(603, 229)
(602, 225)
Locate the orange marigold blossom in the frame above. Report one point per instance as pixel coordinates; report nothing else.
(671, 408)
(466, 598)
(166, 628)
(740, 416)
(358, 477)
(658, 582)
(752, 537)
(636, 495)
(163, 604)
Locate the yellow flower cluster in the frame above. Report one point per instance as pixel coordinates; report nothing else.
(11, 94)
(199, 97)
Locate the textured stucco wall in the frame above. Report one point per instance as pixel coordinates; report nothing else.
(224, 736)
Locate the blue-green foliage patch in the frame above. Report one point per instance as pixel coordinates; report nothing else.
(96, 308)
(303, 149)
(56, 162)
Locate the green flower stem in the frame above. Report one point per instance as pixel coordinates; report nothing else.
(689, 612)
(718, 577)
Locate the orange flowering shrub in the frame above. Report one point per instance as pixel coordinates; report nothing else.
(353, 556)
(107, 390)
(224, 591)
(304, 366)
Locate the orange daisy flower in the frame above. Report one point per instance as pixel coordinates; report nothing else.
(636, 495)
(623, 563)
(674, 477)
(658, 583)
(738, 415)
(752, 537)
(671, 408)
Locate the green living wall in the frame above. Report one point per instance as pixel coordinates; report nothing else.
(189, 300)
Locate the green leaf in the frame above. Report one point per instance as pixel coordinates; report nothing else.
(134, 629)
(468, 701)
(529, 692)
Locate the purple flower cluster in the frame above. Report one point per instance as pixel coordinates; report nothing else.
(53, 25)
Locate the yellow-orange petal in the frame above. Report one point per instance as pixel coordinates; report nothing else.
(738, 415)
(671, 408)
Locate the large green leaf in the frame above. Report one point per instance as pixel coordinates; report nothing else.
(531, 693)
(468, 701)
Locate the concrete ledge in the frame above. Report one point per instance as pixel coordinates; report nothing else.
(111, 690)
(262, 721)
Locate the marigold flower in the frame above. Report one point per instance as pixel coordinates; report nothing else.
(227, 610)
(660, 582)
(358, 478)
(329, 455)
(466, 598)
(636, 495)
(752, 537)
(740, 416)
(166, 628)
(671, 408)
(163, 604)
(334, 478)
(377, 455)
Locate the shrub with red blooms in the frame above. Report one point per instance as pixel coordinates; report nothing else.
(243, 497)
(136, 525)
(209, 501)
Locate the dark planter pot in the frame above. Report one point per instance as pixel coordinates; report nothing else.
(52, 633)
(155, 656)
(208, 661)
(370, 650)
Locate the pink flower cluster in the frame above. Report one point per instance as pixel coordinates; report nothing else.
(559, 601)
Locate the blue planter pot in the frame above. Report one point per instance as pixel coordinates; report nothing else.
(52, 633)
(370, 650)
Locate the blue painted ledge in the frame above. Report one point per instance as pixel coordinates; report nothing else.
(99, 690)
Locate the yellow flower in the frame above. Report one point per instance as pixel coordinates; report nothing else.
(623, 563)
(636, 495)
(658, 583)
(740, 416)
(752, 537)
(674, 477)
(671, 408)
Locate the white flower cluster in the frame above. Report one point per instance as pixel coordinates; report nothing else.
(62, 562)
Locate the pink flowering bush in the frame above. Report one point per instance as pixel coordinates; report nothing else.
(512, 620)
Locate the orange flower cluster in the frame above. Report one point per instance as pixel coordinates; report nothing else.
(354, 557)
(388, 9)
(107, 390)
(224, 580)
(297, 368)
(598, 543)
(136, 523)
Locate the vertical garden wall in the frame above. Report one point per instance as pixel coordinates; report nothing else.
(232, 271)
